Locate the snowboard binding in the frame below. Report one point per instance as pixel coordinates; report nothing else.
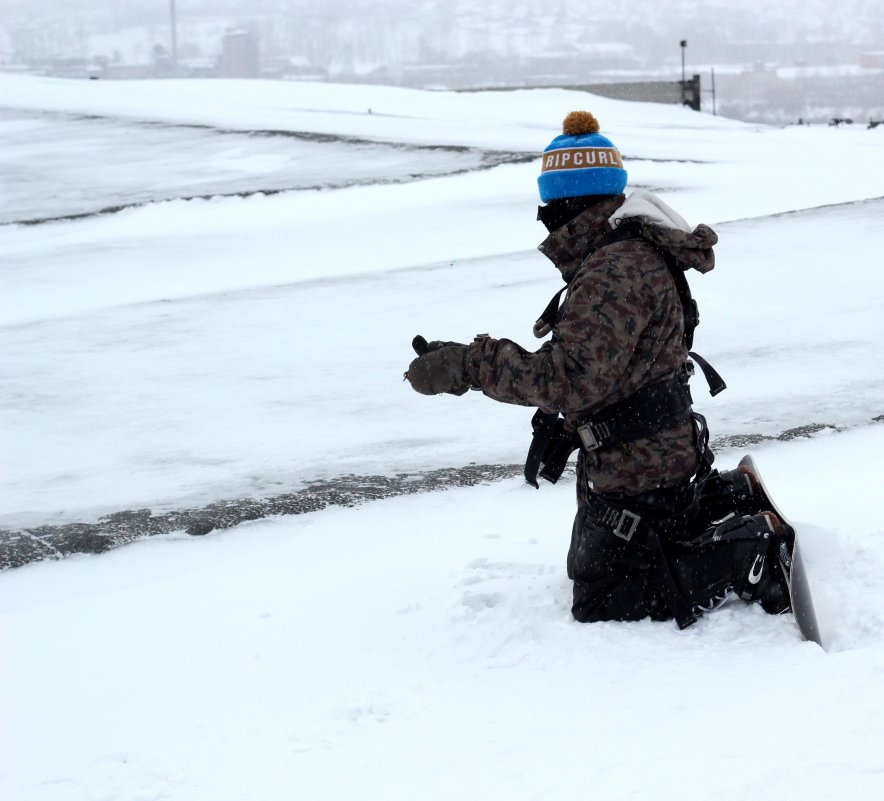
(755, 542)
(730, 492)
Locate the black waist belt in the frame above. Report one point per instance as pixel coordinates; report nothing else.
(652, 409)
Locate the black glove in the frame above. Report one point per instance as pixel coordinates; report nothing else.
(439, 367)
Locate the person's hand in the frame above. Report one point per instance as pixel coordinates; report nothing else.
(440, 367)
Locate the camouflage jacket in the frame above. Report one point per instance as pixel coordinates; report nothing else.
(619, 328)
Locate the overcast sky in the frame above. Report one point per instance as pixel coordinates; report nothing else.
(791, 30)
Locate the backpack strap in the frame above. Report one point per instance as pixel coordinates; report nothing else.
(631, 229)
(547, 320)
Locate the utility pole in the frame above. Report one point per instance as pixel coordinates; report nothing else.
(714, 112)
(174, 24)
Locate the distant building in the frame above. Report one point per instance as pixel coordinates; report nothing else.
(430, 76)
(681, 93)
(239, 55)
(291, 68)
(673, 92)
(127, 72)
(872, 61)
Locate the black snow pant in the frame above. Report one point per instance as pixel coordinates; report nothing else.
(613, 579)
(616, 579)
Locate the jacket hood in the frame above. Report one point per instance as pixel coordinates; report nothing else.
(569, 246)
(668, 230)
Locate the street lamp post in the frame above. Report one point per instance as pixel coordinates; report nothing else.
(174, 25)
(684, 44)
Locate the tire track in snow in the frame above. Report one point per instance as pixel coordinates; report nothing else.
(490, 161)
(474, 159)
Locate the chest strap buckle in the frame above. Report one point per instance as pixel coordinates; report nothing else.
(588, 437)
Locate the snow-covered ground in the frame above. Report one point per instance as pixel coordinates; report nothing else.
(422, 647)
(211, 349)
(191, 351)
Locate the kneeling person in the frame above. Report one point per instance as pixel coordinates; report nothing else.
(658, 533)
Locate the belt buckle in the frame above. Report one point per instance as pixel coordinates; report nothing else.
(587, 437)
(628, 521)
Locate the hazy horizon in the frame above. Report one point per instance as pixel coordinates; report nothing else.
(455, 44)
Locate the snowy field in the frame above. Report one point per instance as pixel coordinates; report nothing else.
(185, 352)
(210, 349)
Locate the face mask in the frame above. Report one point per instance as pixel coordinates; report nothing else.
(561, 210)
(554, 214)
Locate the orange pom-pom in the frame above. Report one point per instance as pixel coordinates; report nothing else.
(580, 122)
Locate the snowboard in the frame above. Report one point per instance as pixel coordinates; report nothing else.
(793, 566)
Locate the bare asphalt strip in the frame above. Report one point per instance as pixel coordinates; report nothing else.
(24, 546)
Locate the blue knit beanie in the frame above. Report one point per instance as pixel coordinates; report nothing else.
(581, 161)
